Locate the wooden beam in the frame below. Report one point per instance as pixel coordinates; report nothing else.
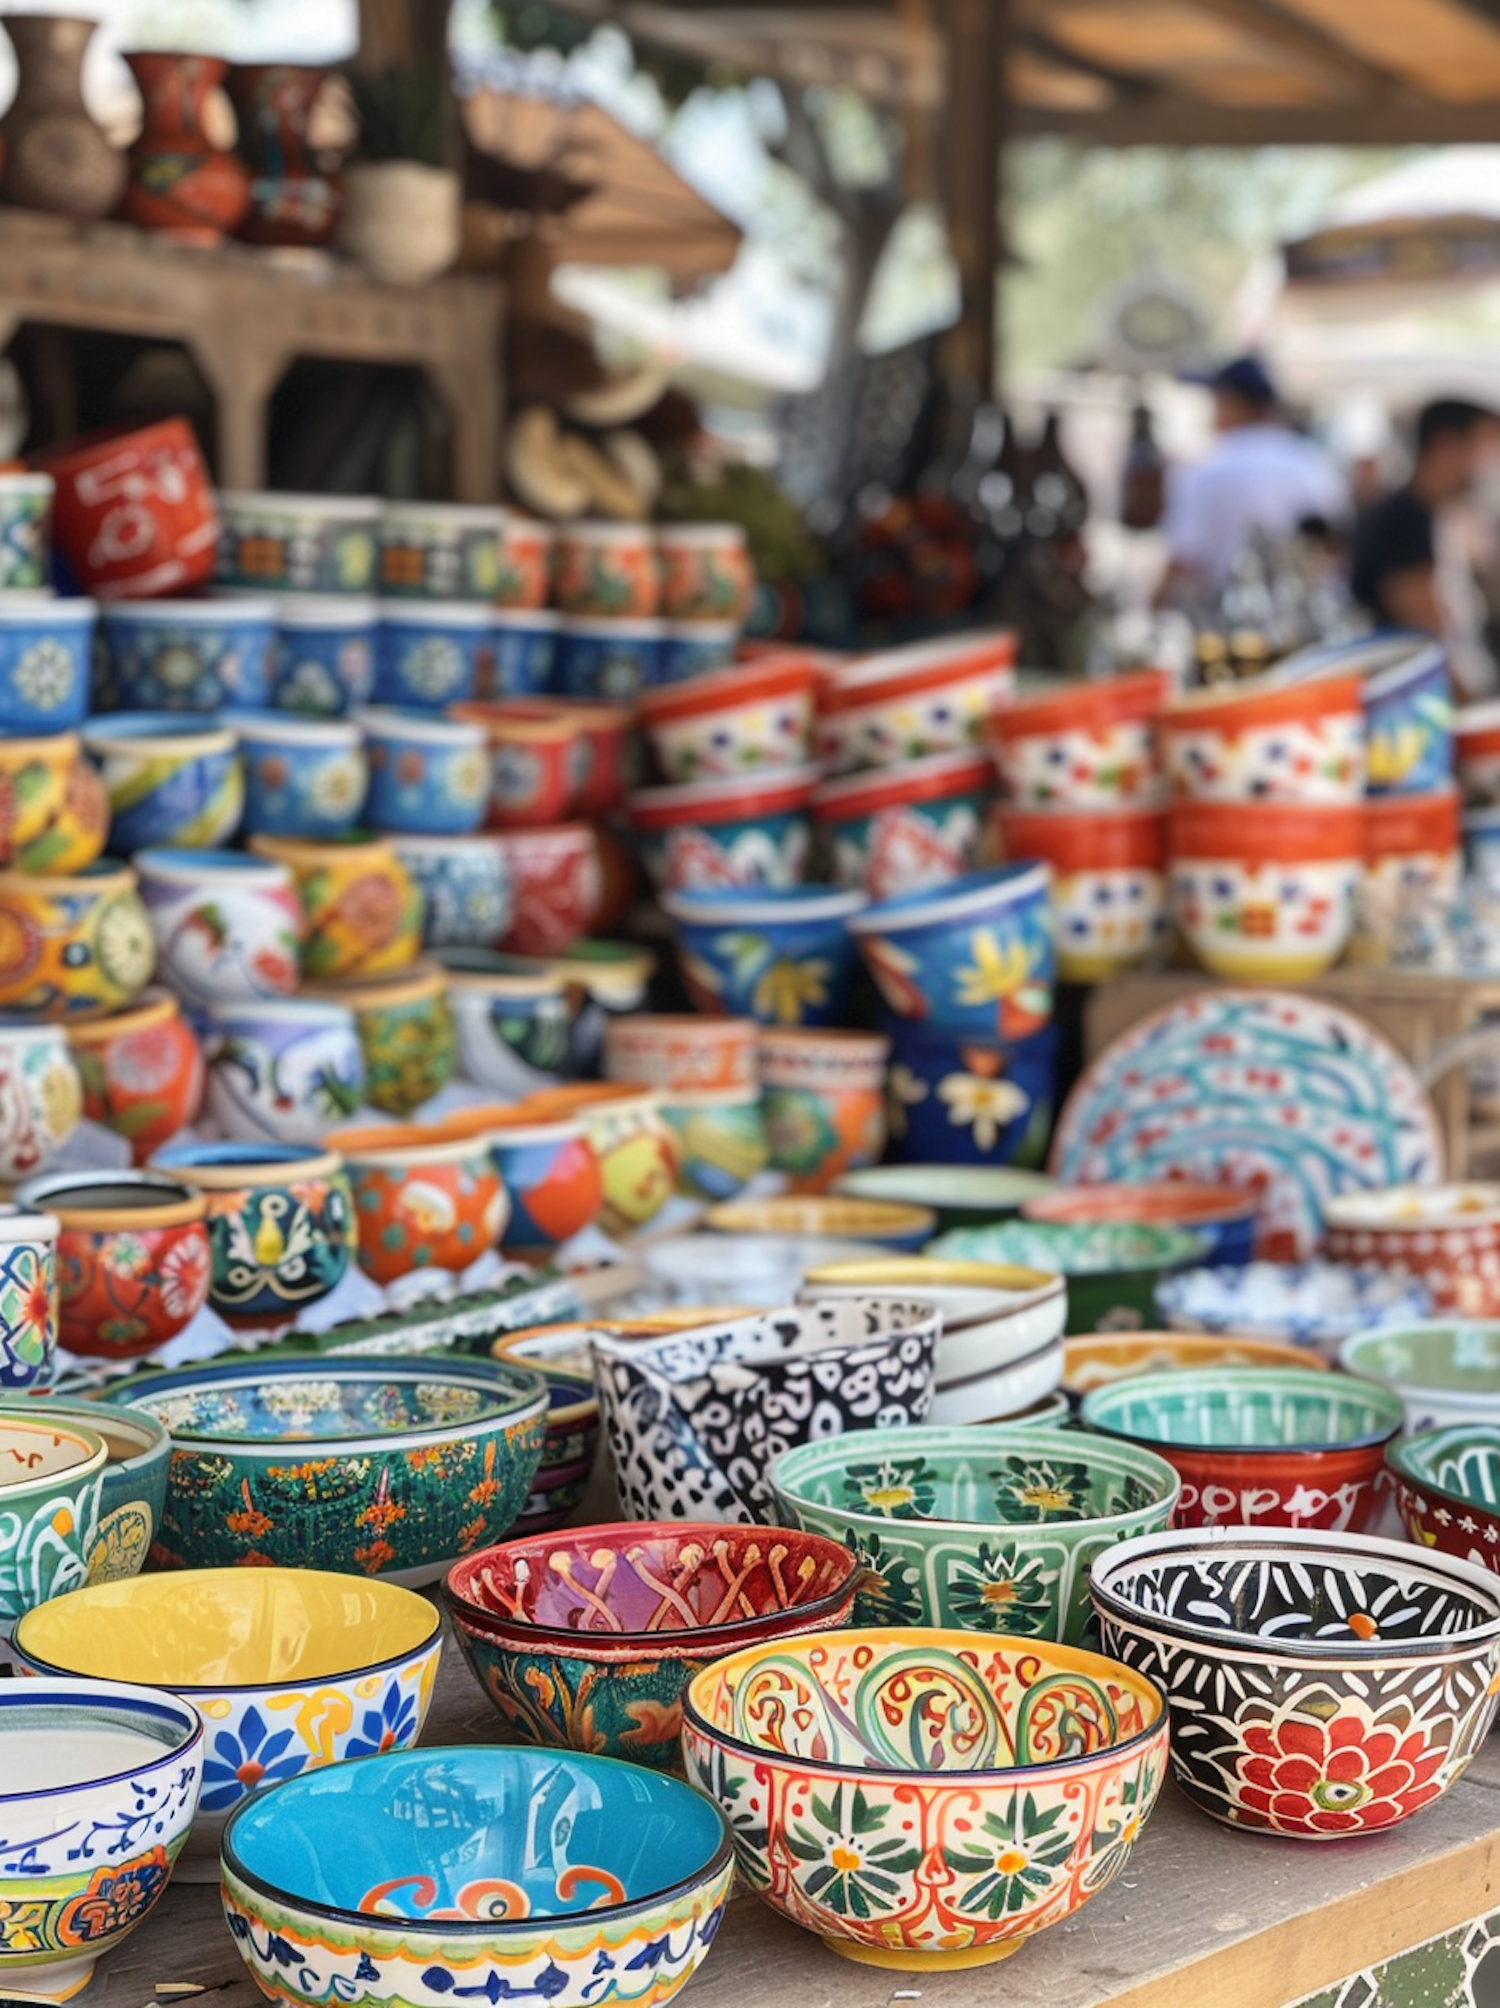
(970, 144)
(1161, 118)
(1299, 38)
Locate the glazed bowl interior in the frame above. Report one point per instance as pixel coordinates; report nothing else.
(1460, 1463)
(414, 1834)
(1254, 1408)
(32, 1450)
(1069, 1249)
(1458, 1358)
(126, 1435)
(60, 1734)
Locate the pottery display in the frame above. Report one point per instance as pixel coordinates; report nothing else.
(706, 571)
(278, 542)
(1112, 1267)
(824, 1217)
(905, 829)
(294, 198)
(562, 1861)
(133, 1488)
(1225, 1214)
(323, 657)
(511, 1019)
(976, 956)
(142, 1071)
(824, 1102)
(1445, 1237)
(960, 1195)
(990, 1530)
(1310, 1303)
(781, 957)
(282, 1072)
(51, 1479)
(720, 1138)
(134, 514)
(906, 703)
(44, 663)
(188, 655)
(304, 777)
(1109, 883)
(731, 720)
(56, 158)
(54, 813)
(25, 530)
(714, 835)
(1101, 1358)
(428, 776)
(431, 653)
(406, 1035)
(1446, 1491)
(682, 1054)
(1445, 1372)
(467, 897)
(41, 1098)
(421, 1199)
(120, 1765)
(73, 947)
(611, 658)
(1319, 1686)
(695, 1422)
(606, 571)
(526, 551)
(635, 1146)
(393, 1467)
(1268, 739)
(1476, 742)
(228, 927)
(1083, 745)
(977, 1103)
(171, 781)
(557, 887)
(589, 1639)
(572, 1439)
(362, 914)
(841, 1787)
(440, 550)
(180, 182)
(1265, 891)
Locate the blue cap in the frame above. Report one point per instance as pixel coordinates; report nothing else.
(1246, 377)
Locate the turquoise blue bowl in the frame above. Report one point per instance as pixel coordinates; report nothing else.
(975, 957)
(780, 957)
(133, 1491)
(304, 777)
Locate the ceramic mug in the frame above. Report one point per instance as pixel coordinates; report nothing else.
(142, 1072)
(228, 927)
(41, 1098)
(73, 947)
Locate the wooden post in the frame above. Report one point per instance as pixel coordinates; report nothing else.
(971, 133)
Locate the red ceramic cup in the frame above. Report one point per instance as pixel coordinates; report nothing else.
(142, 1072)
(558, 887)
(134, 512)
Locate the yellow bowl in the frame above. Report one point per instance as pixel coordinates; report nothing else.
(1100, 1358)
(900, 1272)
(882, 1220)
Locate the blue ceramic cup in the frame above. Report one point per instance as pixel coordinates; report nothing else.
(304, 777)
(429, 777)
(44, 663)
(607, 658)
(782, 957)
(188, 655)
(975, 957)
(171, 780)
(432, 653)
(323, 663)
(525, 650)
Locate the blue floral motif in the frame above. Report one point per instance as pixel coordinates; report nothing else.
(391, 1726)
(236, 1764)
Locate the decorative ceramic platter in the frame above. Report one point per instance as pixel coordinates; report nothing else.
(1289, 1096)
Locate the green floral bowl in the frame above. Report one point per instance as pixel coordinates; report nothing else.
(989, 1529)
(1112, 1267)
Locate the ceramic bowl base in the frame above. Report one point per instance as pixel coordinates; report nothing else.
(897, 1961)
(60, 1982)
(1275, 965)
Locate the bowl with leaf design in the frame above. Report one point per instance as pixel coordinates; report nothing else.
(1448, 1489)
(587, 1640)
(989, 1528)
(926, 1800)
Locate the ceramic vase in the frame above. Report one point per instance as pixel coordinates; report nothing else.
(142, 1072)
(73, 947)
(28, 1302)
(363, 914)
(424, 1199)
(824, 1103)
(283, 1072)
(406, 1035)
(55, 157)
(228, 928)
(41, 1098)
(180, 182)
(293, 198)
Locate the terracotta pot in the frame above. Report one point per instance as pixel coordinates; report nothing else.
(180, 182)
(55, 157)
(293, 200)
(142, 1072)
(134, 511)
(402, 221)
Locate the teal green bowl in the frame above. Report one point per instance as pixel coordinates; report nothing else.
(134, 1489)
(1112, 1267)
(1448, 1490)
(1444, 1371)
(961, 1195)
(991, 1528)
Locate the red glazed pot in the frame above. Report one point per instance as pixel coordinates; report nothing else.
(423, 1197)
(1446, 1236)
(180, 182)
(142, 1072)
(541, 759)
(601, 750)
(550, 1172)
(134, 511)
(557, 884)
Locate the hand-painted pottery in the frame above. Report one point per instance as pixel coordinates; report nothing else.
(525, 643)
(912, 1798)
(975, 957)
(1310, 1303)
(526, 548)
(1259, 1447)
(304, 777)
(605, 748)
(755, 830)
(1445, 1373)
(1409, 719)
(1112, 1267)
(281, 1225)
(605, 981)
(695, 1422)
(431, 653)
(883, 710)
(989, 1530)
(751, 1271)
(133, 1489)
(1265, 891)
(54, 812)
(50, 1483)
(905, 829)
(589, 1639)
(1268, 739)
(363, 914)
(284, 543)
(170, 780)
(628, 1134)
(323, 658)
(26, 532)
(142, 1072)
(44, 663)
(468, 900)
(295, 194)
(747, 715)
(1319, 1685)
(228, 928)
(1412, 854)
(706, 571)
(1447, 1490)
(607, 658)
(1224, 1213)
(405, 1032)
(423, 1199)
(607, 571)
(824, 1103)
(1476, 732)
(354, 1882)
(683, 1053)
(692, 649)
(440, 550)
(960, 1195)
(1101, 1359)
(721, 1140)
(391, 1467)
(981, 1103)
(558, 885)
(817, 1217)
(188, 655)
(1446, 1237)
(282, 1072)
(100, 1782)
(428, 776)
(41, 1098)
(572, 1440)
(289, 1668)
(511, 1018)
(182, 181)
(549, 1171)
(1481, 845)
(1109, 883)
(73, 947)
(134, 511)
(539, 759)
(132, 1258)
(1081, 745)
(1290, 1096)
(779, 956)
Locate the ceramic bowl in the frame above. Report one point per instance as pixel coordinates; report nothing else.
(754, 1271)
(563, 1860)
(989, 1530)
(614, 659)
(467, 897)
(1447, 1492)
(422, 1199)
(28, 1300)
(953, 1100)
(558, 887)
(1445, 1237)
(431, 653)
(1264, 891)
(824, 1095)
(695, 1421)
(440, 550)
(525, 643)
(391, 1467)
(905, 829)
(724, 723)
(1081, 745)
(880, 1221)
(539, 759)
(526, 553)
(607, 571)
(706, 571)
(1259, 1447)
(976, 957)
(170, 780)
(1413, 853)
(304, 777)
(590, 1638)
(907, 703)
(1309, 1303)
(289, 1668)
(53, 805)
(512, 1021)
(228, 928)
(51, 1484)
(276, 541)
(429, 777)
(1268, 739)
(1109, 883)
(132, 1258)
(363, 915)
(1408, 718)
(572, 1439)
(142, 1071)
(721, 1140)
(845, 1772)
(41, 1098)
(44, 664)
(323, 658)
(781, 957)
(134, 1485)
(752, 831)
(1476, 737)
(73, 947)
(66, 1747)
(960, 1195)
(605, 982)
(1225, 1214)
(1445, 1372)
(682, 1053)
(548, 1168)
(188, 655)
(636, 1147)
(1112, 1267)
(281, 1225)
(407, 1042)
(1103, 1358)
(1319, 1685)
(282, 1072)
(26, 532)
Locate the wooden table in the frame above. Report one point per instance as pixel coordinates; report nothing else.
(1199, 1917)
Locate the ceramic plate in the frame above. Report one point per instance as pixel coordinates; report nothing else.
(1289, 1095)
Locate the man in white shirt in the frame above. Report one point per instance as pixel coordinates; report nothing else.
(1259, 476)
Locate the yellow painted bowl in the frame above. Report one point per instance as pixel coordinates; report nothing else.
(1100, 1358)
(880, 1220)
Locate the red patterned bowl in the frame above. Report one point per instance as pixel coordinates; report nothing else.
(142, 1072)
(134, 512)
(423, 1198)
(1447, 1236)
(1081, 745)
(557, 886)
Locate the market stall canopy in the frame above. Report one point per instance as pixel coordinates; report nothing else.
(1427, 222)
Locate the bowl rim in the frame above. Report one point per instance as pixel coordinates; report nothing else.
(973, 894)
(1398, 1460)
(955, 1641)
(93, 1415)
(92, 1464)
(1211, 1381)
(503, 1928)
(1350, 1212)
(1369, 1334)
(102, 1694)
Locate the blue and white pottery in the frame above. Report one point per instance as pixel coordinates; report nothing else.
(45, 647)
(431, 653)
(692, 648)
(99, 1783)
(969, 1101)
(782, 957)
(607, 658)
(279, 542)
(975, 957)
(428, 1877)
(26, 532)
(513, 1020)
(429, 777)
(304, 777)
(187, 655)
(323, 659)
(525, 650)
(171, 780)
(1409, 722)
(468, 899)
(1307, 1303)
(283, 1072)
